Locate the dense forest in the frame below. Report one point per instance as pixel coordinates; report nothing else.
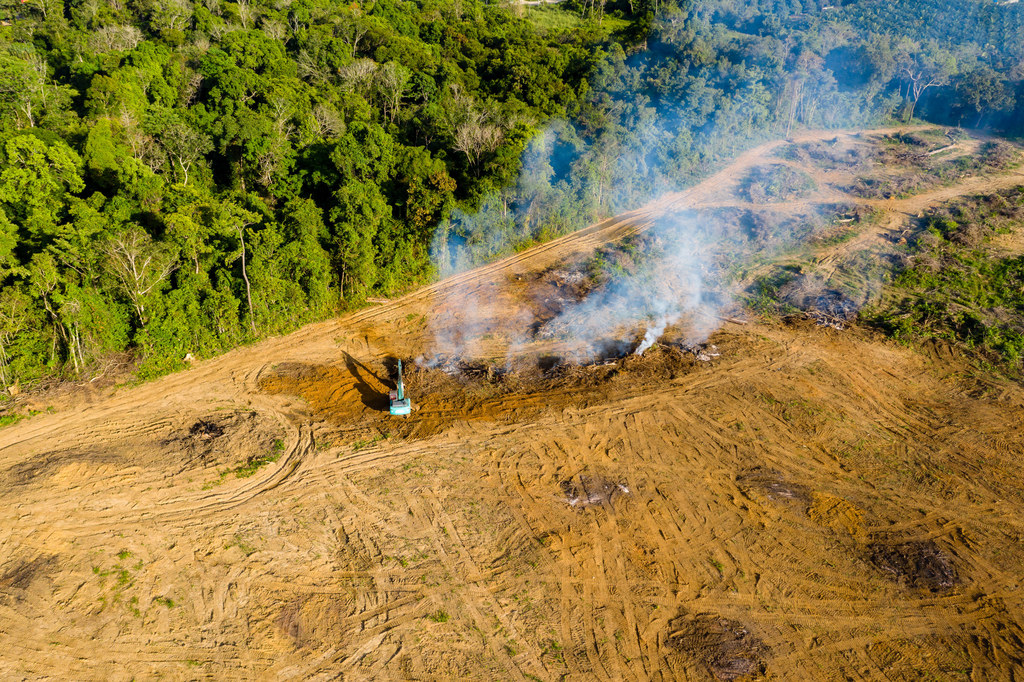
(182, 176)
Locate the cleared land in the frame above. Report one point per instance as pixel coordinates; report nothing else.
(806, 504)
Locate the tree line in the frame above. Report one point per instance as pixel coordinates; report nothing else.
(181, 176)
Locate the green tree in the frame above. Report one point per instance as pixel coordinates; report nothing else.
(140, 265)
(234, 220)
(35, 181)
(984, 90)
(922, 67)
(14, 319)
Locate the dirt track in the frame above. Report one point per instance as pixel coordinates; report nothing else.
(761, 487)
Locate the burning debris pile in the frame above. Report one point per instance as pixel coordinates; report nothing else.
(610, 351)
(613, 352)
(563, 287)
(635, 288)
(827, 306)
(606, 353)
(610, 359)
(630, 291)
(703, 352)
(456, 366)
(833, 309)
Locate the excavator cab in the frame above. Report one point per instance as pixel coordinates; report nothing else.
(400, 405)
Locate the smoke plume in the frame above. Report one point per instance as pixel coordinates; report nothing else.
(675, 279)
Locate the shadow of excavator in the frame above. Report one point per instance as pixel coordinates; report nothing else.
(371, 397)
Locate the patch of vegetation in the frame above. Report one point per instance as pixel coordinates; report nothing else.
(549, 20)
(763, 296)
(15, 417)
(241, 543)
(365, 443)
(439, 616)
(614, 261)
(552, 649)
(956, 290)
(777, 182)
(8, 419)
(116, 590)
(835, 237)
(254, 463)
(209, 485)
(827, 155)
(927, 171)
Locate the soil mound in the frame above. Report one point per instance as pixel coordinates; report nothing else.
(724, 646)
(836, 513)
(206, 430)
(921, 564)
(772, 484)
(212, 440)
(590, 491)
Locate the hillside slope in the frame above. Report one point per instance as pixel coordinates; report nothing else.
(808, 503)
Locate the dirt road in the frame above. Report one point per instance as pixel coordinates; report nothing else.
(809, 505)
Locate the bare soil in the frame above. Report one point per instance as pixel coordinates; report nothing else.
(803, 503)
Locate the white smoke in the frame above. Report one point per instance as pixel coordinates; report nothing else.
(653, 333)
(670, 283)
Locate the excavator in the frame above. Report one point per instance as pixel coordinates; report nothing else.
(400, 405)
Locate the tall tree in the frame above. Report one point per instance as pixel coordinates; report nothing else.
(924, 67)
(140, 265)
(984, 91)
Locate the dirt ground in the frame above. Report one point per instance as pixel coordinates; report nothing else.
(796, 503)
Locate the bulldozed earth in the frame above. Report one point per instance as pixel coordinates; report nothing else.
(788, 499)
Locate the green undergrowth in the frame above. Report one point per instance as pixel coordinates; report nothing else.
(956, 288)
(8, 419)
(253, 464)
(12, 418)
(777, 183)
